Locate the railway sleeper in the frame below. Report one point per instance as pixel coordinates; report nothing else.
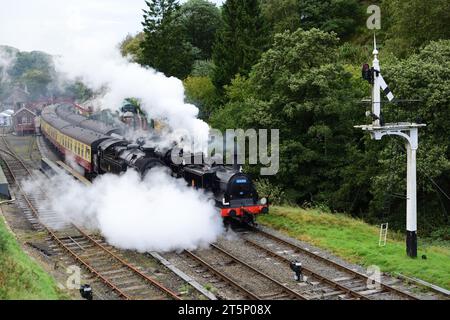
(125, 282)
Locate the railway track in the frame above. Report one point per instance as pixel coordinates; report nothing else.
(127, 281)
(250, 282)
(347, 281)
(217, 264)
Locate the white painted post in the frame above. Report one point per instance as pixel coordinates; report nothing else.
(411, 202)
(376, 93)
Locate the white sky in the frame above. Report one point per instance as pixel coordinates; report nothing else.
(47, 24)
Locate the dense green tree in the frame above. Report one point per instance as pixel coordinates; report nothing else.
(34, 69)
(282, 15)
(300, 88)
(175, 37)
(203, 68)
(240, 41)
(201, 92)
(77, 91)
(412, 24)
(132, 47)
(166, 47)
(340, 16)
(24, 61)
(37, 82)
(200, 19)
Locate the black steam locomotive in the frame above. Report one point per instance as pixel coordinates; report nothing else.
(100, 150)
(234, 192)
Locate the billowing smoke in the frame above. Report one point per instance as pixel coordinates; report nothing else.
(72, 162)
(157, 214)
(161, 97)
(7, 57)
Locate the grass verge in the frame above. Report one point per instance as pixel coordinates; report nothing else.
(357, 242)
(20, 277)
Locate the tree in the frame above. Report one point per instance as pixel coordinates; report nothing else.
(201, 92)
(165, 47)
(35, 70)
(37, 82)
(340, 16)
(25, 61)
(77, 90)
(282, 15)
(299, 87)
(413, 24)
(132, 46)
(200, 19)
(240, 41)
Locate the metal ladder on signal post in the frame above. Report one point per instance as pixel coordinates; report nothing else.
(383, 234)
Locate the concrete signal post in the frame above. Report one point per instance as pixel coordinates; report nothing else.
(408, 131)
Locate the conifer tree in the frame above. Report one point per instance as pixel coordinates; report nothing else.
(240, 41)
(165, 47)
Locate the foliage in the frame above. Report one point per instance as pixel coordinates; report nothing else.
(201, 92)
(239, 42)
(354, 54)
(166, 47)
(33, 70)
(200, 19)
(36, 81)
(202, 68)
(281, 15)
(234, 113)
(357, 242)
(340, 16)
(300, 88)
(414, 23)
(273, 192)
(174, 36)
(132, 47)
(78, 91)
(25, 61)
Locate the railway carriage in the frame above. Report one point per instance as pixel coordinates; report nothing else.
(66, 112)
(72, 142)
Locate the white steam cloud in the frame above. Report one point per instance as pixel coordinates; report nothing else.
(157, 214)
(161, 97)
(6, 59)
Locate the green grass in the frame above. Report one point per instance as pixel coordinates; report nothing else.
(357, 241)
(20, 277)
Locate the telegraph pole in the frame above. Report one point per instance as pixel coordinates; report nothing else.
(409, 131)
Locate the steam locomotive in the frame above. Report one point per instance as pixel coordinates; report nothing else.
(100, 149)
(234, 192)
